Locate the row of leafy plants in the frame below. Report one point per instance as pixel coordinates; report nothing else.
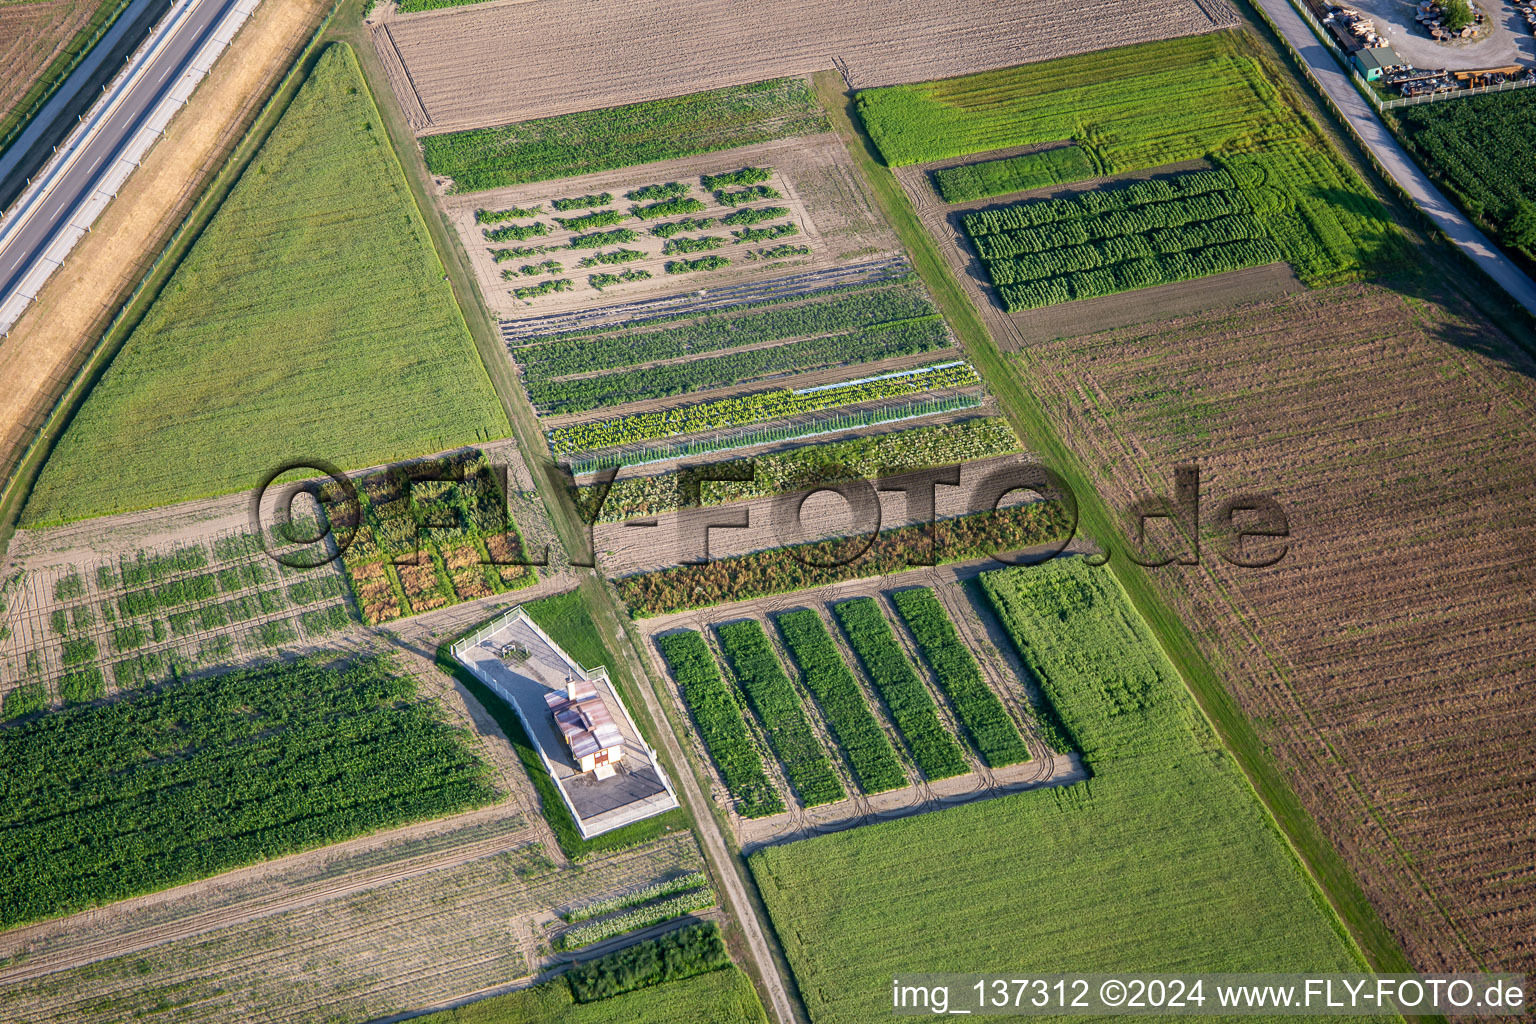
(761, 677)
(641, 917)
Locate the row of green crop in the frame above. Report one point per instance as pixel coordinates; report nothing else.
(598, 239)
(676, 227)
(985, 719)
(823, 672)
(778, 252)
(820, 563)
(697, 243)
(640, 917)
(936, 752)
(633, 385)
(1186, 188)
(761, 677)
(518, 232)
(1143, 273)
(755, 408)
(755, 215)
(744, 176)
(1114, 224)
(522, 252)
(585, 202)
(815, 426)
(688, 951)
(105, 801)
(534, 269)
(1014, 174)
(636, 133)
(742, 196)
(668, 208)
(1124, 248)
(601, 281)
(839, 312)
(559, 284)
(610, 257)
(588, 221)
(654, 891)
(809, 466)
(785, 230)
(695, 265)
(510, 213)
(651, 193)
(720, 723)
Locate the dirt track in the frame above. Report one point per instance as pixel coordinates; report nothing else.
(494, 63)
(58, 331)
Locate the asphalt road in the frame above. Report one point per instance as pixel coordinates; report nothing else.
(1385, 147)
(21, 251)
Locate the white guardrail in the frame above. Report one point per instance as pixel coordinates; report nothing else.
(124, 161)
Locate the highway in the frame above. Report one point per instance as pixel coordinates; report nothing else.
(1390, 154)
(40, 217)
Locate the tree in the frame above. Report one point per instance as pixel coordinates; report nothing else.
(1456, 14)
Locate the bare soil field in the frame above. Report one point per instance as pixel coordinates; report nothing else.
(58, 331)
(977, 628)
(1387, 659)
(813, 174)
(491, 64)
(31, 36)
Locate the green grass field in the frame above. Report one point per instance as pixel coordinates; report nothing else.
(719, 997)
(1163, 861)
(636, 133)
(310, 320)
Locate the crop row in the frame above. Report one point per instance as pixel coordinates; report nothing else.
(755, 215)
(840, 312)
(675, 227)
(601, 281)
(521, 252)
(702, 263)
(978, 708)
(1122, 249)
(778, 707)
(534, 269)
(610, 257)
(685, 244)
(768, 234)
(654, 891)
(558, 284)
(937, 753)
(510, 213)
(744, 176)
(819, 563)
(720, 723)
(1114, 224)
(742, 196)
(633, 385)
(585, 202)
(640, 917)
(668, 208)
(778, 252)
(1014, 174)
(754, 408)
(588, 221)
(598, 239)
(518, 232)
(827, 677)
(101, 802)
(650, 193)
(1099, 201)
(1141, 273)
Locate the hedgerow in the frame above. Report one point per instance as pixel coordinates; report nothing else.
(637, 133)
(511, 213)
(588, 221)
(755, 215)
(742, 196)
(762, 679)
(692, 950)
(265, 761)
(979, 709)
(754, 408)
(598, 239)
(819, 563)
(674, 227)
(517, 232)
(840, 312)
(745, 176)
(700, 243)
(702, 263)
(583, 202)
(936, 752)
(823, 672)
(720, 723)
(619, 386)
(649, 193)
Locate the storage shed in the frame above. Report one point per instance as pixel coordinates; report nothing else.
(588, 727)
(1373, 62)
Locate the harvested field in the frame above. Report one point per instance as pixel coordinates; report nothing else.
(560, 71)
(1386, 659)
(813, 174)
(32, 36)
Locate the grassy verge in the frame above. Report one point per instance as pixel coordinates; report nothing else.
(1322, 861)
